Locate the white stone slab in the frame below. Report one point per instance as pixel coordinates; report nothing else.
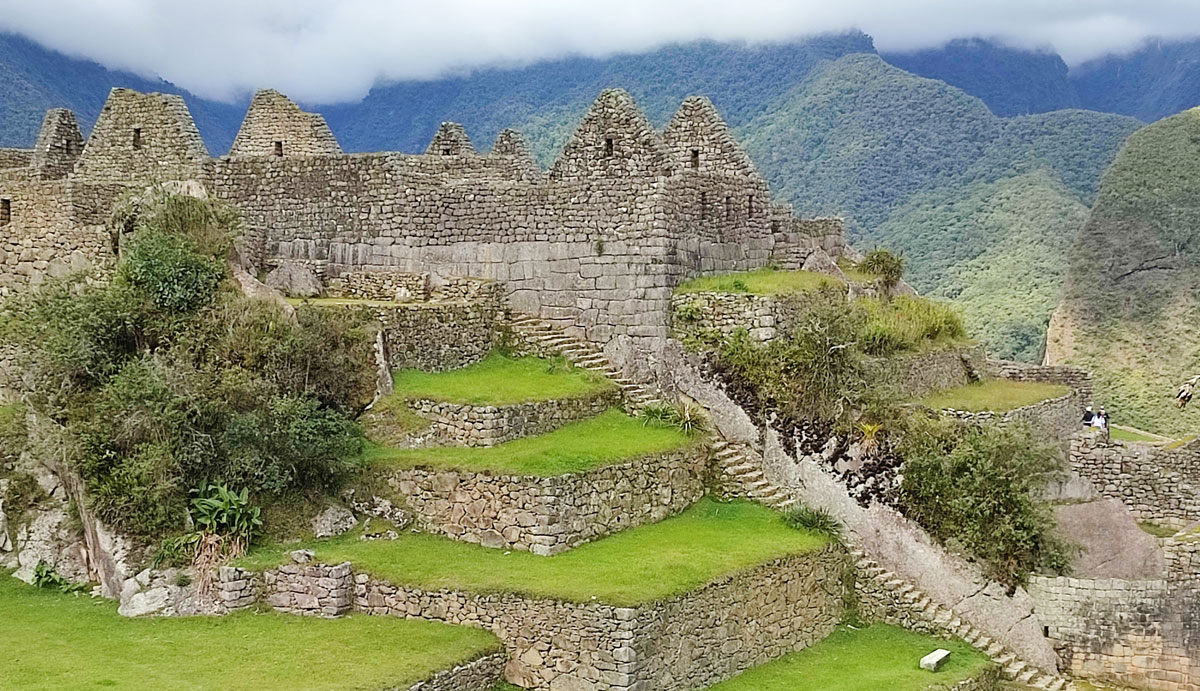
(934, 661)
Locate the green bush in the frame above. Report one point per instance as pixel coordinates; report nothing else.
(887, 268)
(171, 274)
(907, 323)
(218, 510)
(976, 488)
(167, 377)
(685, 417)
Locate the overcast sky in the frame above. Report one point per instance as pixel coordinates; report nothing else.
(324, 51)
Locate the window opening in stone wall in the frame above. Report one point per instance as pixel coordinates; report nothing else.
(446, 151)
(703, 205)
(750, 205)
(695, 158)
(608, 146)
(137, 137)
(728, 208)
(774, 226)
(278, 148)
(5, 211)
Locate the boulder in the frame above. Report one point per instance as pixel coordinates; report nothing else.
(5, 541)
(144, 602)
(334, 520)
(295, 280)
(822, 263)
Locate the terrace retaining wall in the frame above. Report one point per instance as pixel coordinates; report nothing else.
(1053, 418)
(918, 374)
(687, 642)
(439, 336)
(1156, 484)
(480, 674)
(474, 425)
(548, 515)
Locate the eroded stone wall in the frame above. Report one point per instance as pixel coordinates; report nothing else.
(274, 126)
(1156, 484)
(548, 515)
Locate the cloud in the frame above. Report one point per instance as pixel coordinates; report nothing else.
(324, 51)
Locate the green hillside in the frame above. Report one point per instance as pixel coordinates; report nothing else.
(984, 208)
(1133, 297)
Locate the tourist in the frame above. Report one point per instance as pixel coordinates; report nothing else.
(1088, 416)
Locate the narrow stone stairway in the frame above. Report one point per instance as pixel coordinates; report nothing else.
(744, 477)
(921, 606)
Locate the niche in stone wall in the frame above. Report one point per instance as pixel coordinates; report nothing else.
(5, 211)
(695, 158)
(137, 137)
(278, 148)
(728, 208)
(703, 206)
(609, 146)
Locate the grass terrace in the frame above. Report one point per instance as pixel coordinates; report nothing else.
(1123, 434)
(609, 438)
(876, 657)
(641, 565)
(997, 395)
(501, 380)
(855, 274)
(759, 282)
(54, 641)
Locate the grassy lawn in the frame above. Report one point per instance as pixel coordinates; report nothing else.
(854, 273)
(641, 565)
(877, 657)
(759, 282)
(997, 395)
(1156, 530)
(53, 641)
(1119, 434)
(501, 380)
(608, 438)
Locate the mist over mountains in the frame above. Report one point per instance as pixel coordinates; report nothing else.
(976, 160)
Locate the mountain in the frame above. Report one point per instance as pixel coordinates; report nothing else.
(546, 99)
(1011, 81)
(1158, 79)
(1132, 299)
(983, 208)
(34, 79)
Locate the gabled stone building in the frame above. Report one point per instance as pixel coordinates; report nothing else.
(595, 245)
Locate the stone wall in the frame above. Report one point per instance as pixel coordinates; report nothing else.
(274, 126)
(15, 158)
(310, 589)
(402, 286)
(438, 336)
(764, 317)
(919, 374)
(699, 638)
(142, 137)
(1157, 484)
(1079, 380)
(481, 674)
(1141, 633)
(548, 515)
(459, 424)
(1053, 418)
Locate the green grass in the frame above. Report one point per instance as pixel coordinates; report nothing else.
(998, 395)
(53, 641)
(341, 302)
(1180, 443)
(854, 273)
(877, 657)
(1156, 530)
(1129, 435)
(608, 438)
(501, 380)
(645, 564)
(759, 282)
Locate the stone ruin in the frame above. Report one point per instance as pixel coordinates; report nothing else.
(595, 245)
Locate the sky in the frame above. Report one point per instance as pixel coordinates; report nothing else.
(328, 51)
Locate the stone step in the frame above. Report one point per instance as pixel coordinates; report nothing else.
(1011, 671)
(1026, 676)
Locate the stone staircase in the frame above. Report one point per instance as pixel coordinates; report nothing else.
(921, 607)
(550, 340)
(743, 477)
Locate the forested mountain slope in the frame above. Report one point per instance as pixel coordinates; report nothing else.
(34, 79)
(1131, 307)
(921, 167)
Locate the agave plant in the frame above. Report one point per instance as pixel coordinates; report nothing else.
(870, 437)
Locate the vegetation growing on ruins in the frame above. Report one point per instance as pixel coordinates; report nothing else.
(164, 377)
(608, 438)
(841, 662)
(760, 282)
(997, 395)
(56, 641)
(640, 565)
(976, 490)
(500, 379)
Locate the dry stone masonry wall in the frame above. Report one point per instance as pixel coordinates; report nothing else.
(1053, 418)
(548, 515)
(1156, 484)
(460, 424)
(274, 126)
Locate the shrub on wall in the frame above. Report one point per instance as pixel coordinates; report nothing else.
(167, 378)
(975, 488)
